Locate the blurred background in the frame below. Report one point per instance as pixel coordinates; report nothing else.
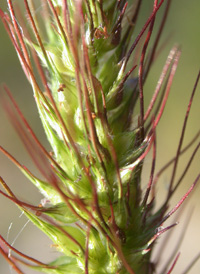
(183, 28)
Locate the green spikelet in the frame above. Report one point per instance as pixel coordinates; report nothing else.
(97, 215)
(90, 139)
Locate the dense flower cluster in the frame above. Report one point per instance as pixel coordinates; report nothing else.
(92, 75)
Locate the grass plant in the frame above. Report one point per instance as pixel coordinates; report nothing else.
(87, 68)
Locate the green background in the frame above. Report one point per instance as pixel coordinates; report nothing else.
(183, 28)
